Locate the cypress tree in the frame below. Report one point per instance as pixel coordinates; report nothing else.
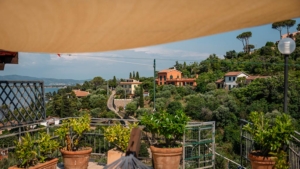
(130, 76)
(141, 100)
(133, 75)
(137, 76)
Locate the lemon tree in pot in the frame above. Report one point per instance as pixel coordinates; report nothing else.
(71, 132)
(166, 154)
(119, 136)
(271, 140)
(36, 152)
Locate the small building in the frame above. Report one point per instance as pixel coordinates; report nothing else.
(129, 85)
(174, 77)
(50, 121)
(80, 93)
(230, 79)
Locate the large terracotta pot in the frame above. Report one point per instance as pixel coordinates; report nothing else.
(76, 159)
(113, 155)
(166, 158)
(51, 164)
(261, 162)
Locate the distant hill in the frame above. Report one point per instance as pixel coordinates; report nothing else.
(47, 81)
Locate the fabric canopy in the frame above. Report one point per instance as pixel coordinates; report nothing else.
(69, 26)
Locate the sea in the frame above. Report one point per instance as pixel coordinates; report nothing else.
(51, 89)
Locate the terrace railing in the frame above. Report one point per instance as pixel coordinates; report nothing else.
(21, 102)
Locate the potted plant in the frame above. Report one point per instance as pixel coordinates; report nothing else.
(71, 131)
(36, 153)
(119, 136)
(166, 154)
(271, 139)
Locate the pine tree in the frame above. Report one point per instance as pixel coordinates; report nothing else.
(137, 76)
(133, 75)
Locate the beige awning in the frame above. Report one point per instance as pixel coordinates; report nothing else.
(68, 26)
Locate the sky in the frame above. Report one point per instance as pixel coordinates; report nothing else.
(85, 66)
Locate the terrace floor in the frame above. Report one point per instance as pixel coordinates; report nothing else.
(92, 165)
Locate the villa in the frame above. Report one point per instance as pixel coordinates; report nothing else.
(129, 85)
(174, 77)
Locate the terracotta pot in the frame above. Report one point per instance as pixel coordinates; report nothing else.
(76, 159)
(51, 164)
(166, 158)
(261, 162)
(113, 155)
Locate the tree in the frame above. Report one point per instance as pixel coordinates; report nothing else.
(174, 106)
(131, 108)
(230, 54)
(141, 99)
(130, 75)
(298, 27)
(114, 82)
(97, 81)
(133, 75)
(288, 24)
(137, 76)
(244, 37)
(278, 26)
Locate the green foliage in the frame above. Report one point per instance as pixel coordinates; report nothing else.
(169, 126)
(119, 135)
(271, 137)
(71, 131)
(131, 108)
(144, 150)
(174, 106)
(30, 151)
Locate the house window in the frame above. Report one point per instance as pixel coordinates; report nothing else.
(160, 77)
(171, 77)
(177, 77)
(165, 78)
(233, 78)
(160, 83)
(229, 78)
(165, 83)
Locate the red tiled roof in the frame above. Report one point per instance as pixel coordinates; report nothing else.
(220, 81)
(255, 77)
(234, 73)
(80, 93)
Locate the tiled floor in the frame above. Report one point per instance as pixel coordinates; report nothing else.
(92, 165)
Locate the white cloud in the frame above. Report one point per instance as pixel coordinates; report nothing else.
(170, 52)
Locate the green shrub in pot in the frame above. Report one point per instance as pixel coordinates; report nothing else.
(271, 137)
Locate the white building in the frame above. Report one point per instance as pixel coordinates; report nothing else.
(130, 85)
(230, 79)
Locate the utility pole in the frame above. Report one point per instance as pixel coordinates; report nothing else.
(154, 86)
